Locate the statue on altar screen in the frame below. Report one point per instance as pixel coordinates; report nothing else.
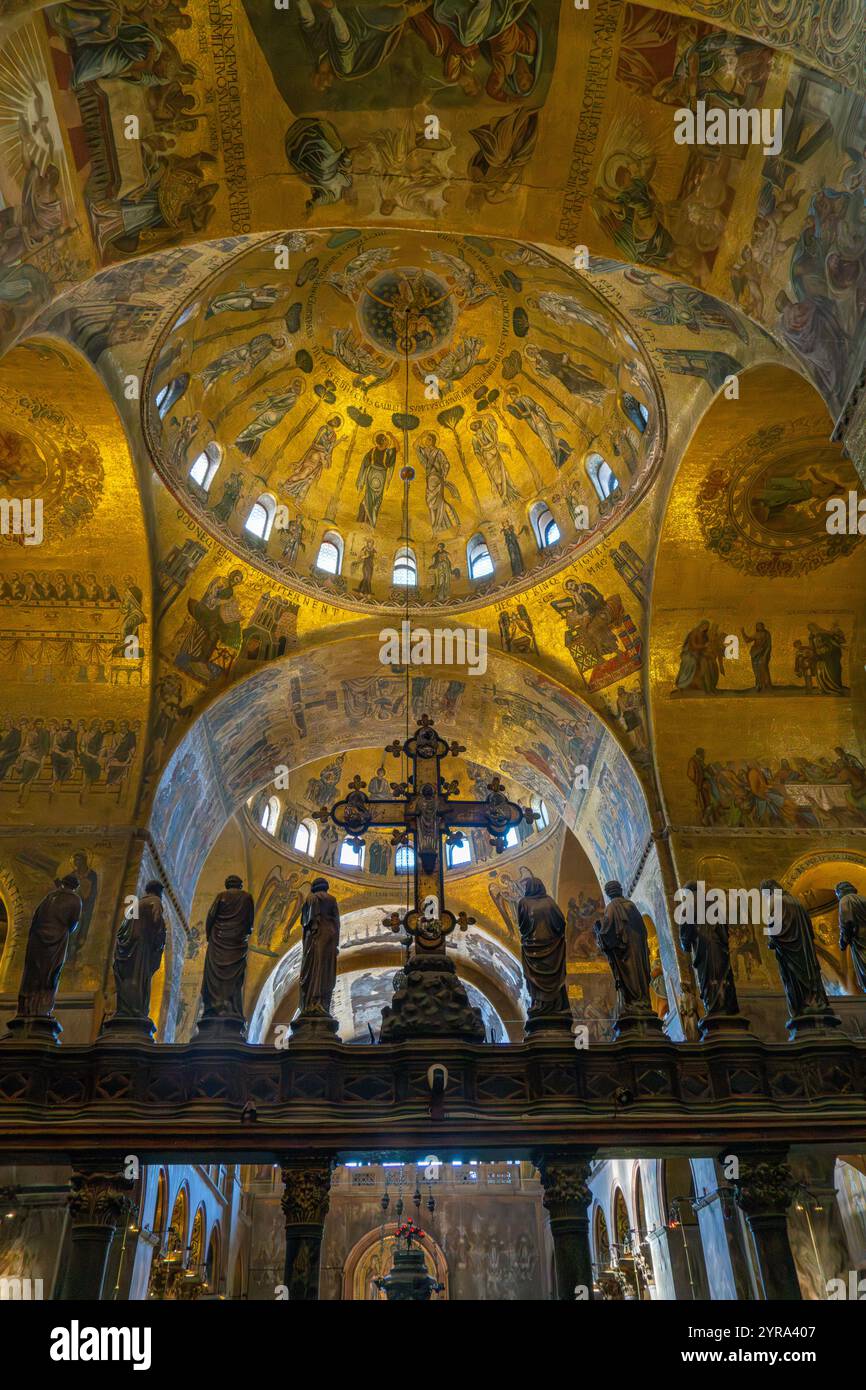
(228, 926)
(320, 934)
(541, 924)
(138, 954)
(793, 941)
(622, 937)
(54, 922)
(852, 927)
(710, 953)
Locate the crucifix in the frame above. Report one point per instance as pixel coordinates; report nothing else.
(422, 807)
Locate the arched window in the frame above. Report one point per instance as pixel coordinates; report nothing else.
(177, 1229)
(405, 568)
(160, 1213)
(636, 411)
(261, 517)
(171, 392)
(602, 476)
(305, 838)
(601, 1240)
(212, 1263)
(352, 856)
(404, 860)
(330, 557)
(204, 468)
(195, 1259)
(543, 819)
(270, 815)
(478, 558)
(543, 525)
(455, 855)
(512, 837)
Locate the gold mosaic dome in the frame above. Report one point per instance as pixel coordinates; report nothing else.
(360, 413)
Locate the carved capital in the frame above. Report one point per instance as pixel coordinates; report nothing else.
(564, 1180)
(306, 1189)
(99, 1197)
(765, 1186)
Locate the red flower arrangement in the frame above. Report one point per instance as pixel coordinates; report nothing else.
(410, 1231)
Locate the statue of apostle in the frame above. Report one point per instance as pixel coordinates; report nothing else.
(320, 934)
(542, 951)
(708, 946)
(622, 937)
(852, 927)
(54, 922)
(793, 941)
(137, 956)
(227, 928)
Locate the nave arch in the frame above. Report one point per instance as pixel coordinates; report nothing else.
(292, 711)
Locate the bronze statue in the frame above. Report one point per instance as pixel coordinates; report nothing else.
(793, 941)
(622, 937)
(54, 922)
(709, 948)
(228, 926)
(320, 934)
(852, 927)
(137, 956)
(542, 952)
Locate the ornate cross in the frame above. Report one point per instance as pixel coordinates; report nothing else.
(422, 808)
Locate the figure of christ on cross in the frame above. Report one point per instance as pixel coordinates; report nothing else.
(423, 809)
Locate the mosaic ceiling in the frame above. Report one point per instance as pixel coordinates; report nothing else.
(394, 389)
(422, 367)
(528, 116)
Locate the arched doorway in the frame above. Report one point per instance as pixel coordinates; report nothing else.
(684, 1235)
(812, 878)
(642, 1265)
(373, 1256)
(369, 956)
(212, 1263)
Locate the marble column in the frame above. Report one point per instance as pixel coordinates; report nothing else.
(306, 1195)
(764, 1190)
(815, 1224)
(564, 1179)
(100, 1201)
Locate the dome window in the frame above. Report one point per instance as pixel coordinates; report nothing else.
(330, 557)
(404, 860)
(167, 395)
(544, 525)
(305, 838)
(405, 573)
(351, 856)
(636, 411)
(270, 815)
(602, 476)
(458, 854)
(478, 558)
(203, 470)
(261, 517)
